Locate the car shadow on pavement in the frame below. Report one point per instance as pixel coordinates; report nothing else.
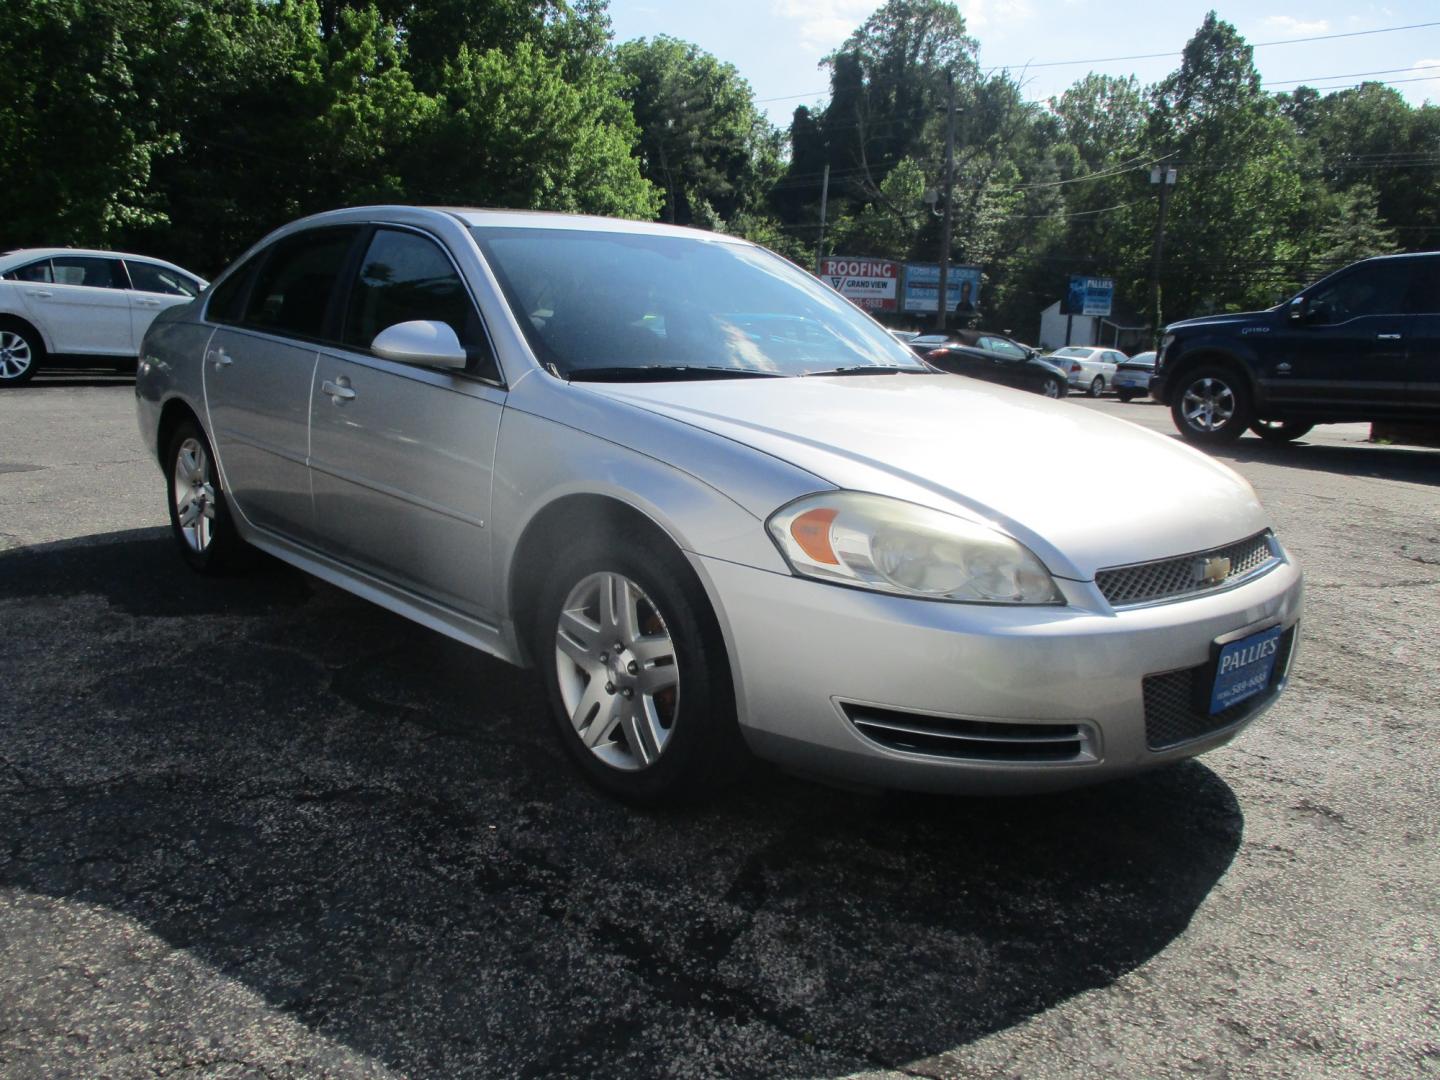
(370, 827)
(1408, 464)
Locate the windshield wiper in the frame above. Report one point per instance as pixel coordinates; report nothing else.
(870, 369)
(665, 373)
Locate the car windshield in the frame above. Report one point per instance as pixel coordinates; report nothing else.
(1146, 358)
(602, 303)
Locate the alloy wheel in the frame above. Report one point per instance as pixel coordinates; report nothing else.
(194, 495)
(1052, 388)
(618, 673)
(15, 355)
(1208, 404)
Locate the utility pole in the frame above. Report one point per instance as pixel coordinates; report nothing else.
(824, 203)
(1163, 176)
(942, 298)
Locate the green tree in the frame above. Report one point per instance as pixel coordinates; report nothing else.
(1356, 230)
(701, 137)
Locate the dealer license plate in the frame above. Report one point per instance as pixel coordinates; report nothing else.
(1244, 668)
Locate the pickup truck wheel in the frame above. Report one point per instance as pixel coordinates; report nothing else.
(1280, 431)
(636, 673)
(20, 353)
(1097, 386)
(1211, 405)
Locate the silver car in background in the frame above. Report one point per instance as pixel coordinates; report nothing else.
(717, 506)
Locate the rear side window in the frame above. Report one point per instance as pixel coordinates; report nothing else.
(227, 299)
(292, 290)
(36, 271)
(89, 271)
(1424, 298)
(148, 277)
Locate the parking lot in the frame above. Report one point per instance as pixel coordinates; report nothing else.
(258, 827)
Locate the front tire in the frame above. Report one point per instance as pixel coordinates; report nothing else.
(1211, 405)
(636, 673)
(200, 517)
(21, 351)
(1096, 387)
(1053, 388)
(1280, 431)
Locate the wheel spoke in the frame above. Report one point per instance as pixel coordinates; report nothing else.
(639, 734)
(655, 679)
(648, 650)
(188, 512)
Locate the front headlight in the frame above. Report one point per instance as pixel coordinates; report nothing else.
(879, 543)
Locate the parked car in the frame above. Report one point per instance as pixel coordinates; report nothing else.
(60, 305)
(1025, 372)
(904, 336)
(1090, 368)
(1360, 344)
(1132, 376)
(552, 438)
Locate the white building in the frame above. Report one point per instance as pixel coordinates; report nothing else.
(1116, 332)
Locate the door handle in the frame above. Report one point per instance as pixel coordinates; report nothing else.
(1387, 337)
(148, 302)
(219, 358)
(44, 294)
(339, 392)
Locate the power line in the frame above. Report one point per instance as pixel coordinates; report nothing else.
(1147, 56)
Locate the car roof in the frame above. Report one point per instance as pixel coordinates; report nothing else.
(20, 256)
(484, 217)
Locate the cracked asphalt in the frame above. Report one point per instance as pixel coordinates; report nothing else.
(258, 827)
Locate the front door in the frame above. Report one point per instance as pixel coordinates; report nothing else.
(1350, 355)
(401, 454)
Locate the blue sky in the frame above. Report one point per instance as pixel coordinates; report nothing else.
(776, 44)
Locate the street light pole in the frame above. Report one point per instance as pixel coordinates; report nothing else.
(943, 296)
(1163, 176)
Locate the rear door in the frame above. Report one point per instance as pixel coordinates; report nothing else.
(402, 455)
(258, 370)
(1424, 351)
(85, 308)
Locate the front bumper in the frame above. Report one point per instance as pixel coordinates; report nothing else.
(808, 658)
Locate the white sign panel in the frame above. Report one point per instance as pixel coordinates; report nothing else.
(871, 283)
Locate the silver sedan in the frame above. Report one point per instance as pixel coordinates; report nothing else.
(716, 505)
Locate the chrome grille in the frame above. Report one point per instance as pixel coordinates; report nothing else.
(1167, 579)
(1177, 703)
(976, 740)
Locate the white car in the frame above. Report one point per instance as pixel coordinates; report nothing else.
(1090, 368)
(68, 303)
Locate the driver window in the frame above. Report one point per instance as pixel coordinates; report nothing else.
(404, 277)
(1378, 289)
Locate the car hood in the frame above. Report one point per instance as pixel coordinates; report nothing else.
(1237, 319)
(1041, 470)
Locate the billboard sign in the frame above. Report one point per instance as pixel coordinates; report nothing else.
(1089, 296)
(922, 286)
(871, 283)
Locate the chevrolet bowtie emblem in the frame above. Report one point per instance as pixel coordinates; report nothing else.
(1212, 571)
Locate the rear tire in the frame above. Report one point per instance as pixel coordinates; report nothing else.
(636, 672)
(1097, 386)
(200, 517)
(1211, 405)
(21, 352)
(1280, 431)
(1125, 396)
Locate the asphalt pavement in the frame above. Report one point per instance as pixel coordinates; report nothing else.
(258, 827)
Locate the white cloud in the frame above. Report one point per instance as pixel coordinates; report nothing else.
(1290, 26)
(824, 24)
(1428, 69)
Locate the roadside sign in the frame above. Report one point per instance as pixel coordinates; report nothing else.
(1089, 296)
(922, 286)
(870, 283)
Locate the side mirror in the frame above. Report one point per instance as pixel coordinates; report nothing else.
(422, 341)
(1298, 309)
